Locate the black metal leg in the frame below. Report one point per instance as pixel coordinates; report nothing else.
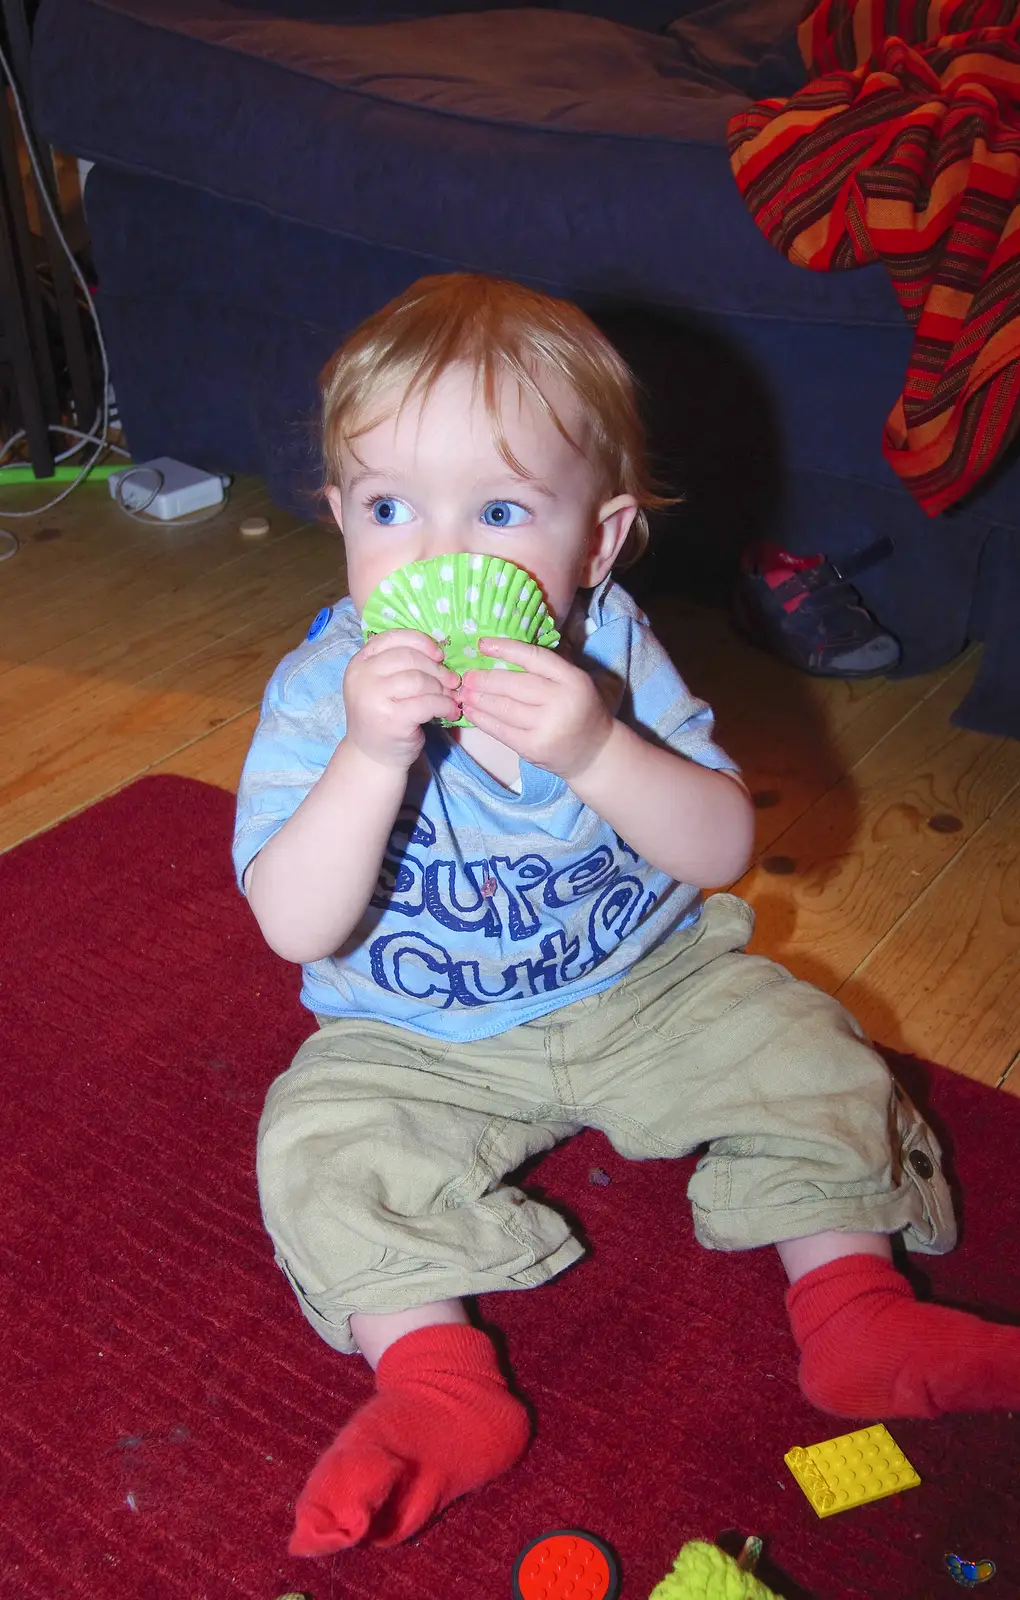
(83, 391)
(16, 347)
(23, 252)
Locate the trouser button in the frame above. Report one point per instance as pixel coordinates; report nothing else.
(921, 1164)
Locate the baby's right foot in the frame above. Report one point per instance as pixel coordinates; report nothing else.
(441, 1422)
(869, 1349)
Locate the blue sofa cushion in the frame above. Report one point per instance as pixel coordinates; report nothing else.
(544, 144)
(749, 44)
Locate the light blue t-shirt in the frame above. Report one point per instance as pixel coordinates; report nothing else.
(493, 907)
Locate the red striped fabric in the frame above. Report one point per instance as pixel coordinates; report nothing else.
(904, 147)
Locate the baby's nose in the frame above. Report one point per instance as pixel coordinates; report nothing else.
(446, 541)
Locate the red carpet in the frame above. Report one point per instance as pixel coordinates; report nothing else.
(163, 1398)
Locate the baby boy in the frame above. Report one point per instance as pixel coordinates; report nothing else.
(504, 939)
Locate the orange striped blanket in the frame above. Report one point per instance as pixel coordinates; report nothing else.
(904, 147)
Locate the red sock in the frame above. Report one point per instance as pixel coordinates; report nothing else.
(869, 1349)
(441, 1422)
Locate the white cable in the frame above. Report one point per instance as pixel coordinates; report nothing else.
(88, 438)
(69, 433)
(15, 438)
(101, 426)
(118, 489)
(12, 548)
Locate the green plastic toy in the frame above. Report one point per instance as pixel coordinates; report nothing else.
(704, 1572)
(16, 476)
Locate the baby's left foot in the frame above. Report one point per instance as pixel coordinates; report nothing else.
(869, 1349)
(442, 1422)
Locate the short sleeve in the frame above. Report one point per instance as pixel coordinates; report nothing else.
(652, 696)
(664, 707)
(301, 723)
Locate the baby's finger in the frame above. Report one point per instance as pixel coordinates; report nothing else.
(500, 717)
(544, 663)
(379, 644)
(514, 738)
(396, 662)
(427, 707)
(522, 687)
(414, 681)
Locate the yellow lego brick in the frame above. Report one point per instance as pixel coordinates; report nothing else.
(852, 1470)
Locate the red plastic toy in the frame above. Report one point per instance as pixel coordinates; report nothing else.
(569, 1564)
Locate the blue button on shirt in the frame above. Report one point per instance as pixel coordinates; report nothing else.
(320, 622)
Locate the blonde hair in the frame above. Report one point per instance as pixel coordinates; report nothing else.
(502, 331)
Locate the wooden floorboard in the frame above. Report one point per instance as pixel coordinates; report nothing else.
(62, 547)
(215, 757)
(887, 860)
(118, 601)
(829, 888)
(945, 981)
(82, 680)
(795, 737)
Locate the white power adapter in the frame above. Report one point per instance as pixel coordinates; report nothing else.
(166, 488)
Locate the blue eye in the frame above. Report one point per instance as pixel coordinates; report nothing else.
(387, 511)
(504, 514)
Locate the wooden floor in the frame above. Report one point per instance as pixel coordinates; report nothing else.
(888, 853)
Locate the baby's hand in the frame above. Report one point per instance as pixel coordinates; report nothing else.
(394, 684)
(551, 713)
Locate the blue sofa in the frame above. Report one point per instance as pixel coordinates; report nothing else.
(269, 171)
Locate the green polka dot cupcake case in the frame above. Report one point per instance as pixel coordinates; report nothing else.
(459, 599)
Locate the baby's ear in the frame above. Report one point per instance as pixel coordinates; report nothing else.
(613, 523)
(333, 496)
